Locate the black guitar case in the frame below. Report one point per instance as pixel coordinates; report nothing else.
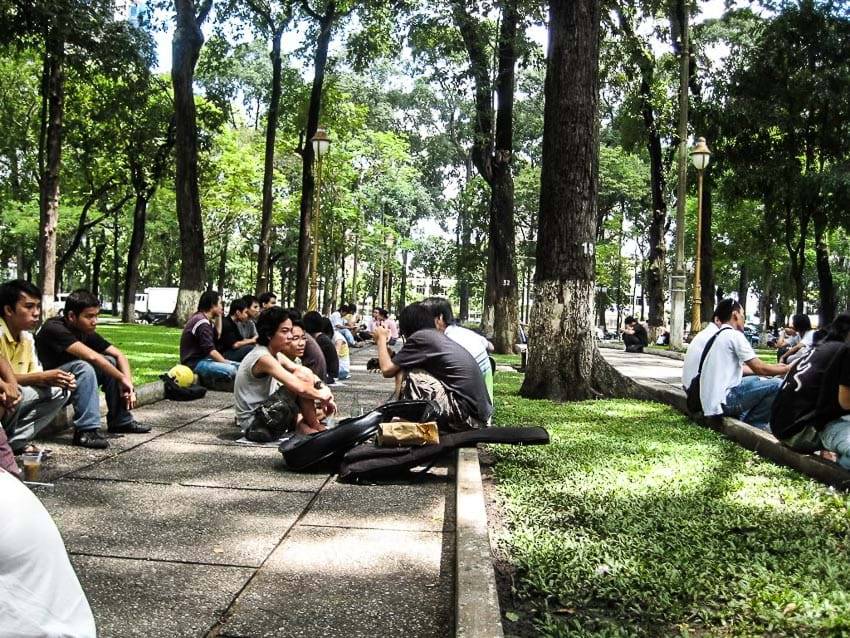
(368, 461)
(301, 452)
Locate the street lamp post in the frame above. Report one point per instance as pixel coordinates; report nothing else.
(700, 156)
(321, 143)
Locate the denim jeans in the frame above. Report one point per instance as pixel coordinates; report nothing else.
(86, 400)
(752, 399)
(835, 437)
(38, 406)
(211, 369)
(345, 332)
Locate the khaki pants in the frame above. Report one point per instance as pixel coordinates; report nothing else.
(419, 385)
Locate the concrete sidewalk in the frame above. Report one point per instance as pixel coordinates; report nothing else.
(645, 367)
(183, 532)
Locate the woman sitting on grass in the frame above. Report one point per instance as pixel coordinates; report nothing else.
(267, 371)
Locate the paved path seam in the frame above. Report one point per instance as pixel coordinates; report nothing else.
(173, 561)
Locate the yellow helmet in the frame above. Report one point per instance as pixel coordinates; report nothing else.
(182, 375)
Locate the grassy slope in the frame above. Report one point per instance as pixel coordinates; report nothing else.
(151, 349)
(634, 521)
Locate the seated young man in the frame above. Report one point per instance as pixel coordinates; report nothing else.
(724, 389)
(635, 337)
(267, 300)
(339, 324)
(248, 327)
(314, 327)
(311, 355)
(435, 368)
(71, 343)
(230, 342)
(197, 343)
(342, 351)
(476, 345)
(268, 370)
(43, 393)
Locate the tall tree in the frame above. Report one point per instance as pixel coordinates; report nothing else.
(564, 362)
(185, 48)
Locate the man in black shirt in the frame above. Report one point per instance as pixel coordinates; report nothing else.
(231, 344)
(71, 343)
(435, 368)
(634, 336)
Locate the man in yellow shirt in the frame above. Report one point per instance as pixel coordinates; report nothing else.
(43, 393)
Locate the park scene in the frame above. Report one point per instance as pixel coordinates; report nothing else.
(477, 318)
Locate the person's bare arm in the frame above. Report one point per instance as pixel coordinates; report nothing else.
(791, 351)
(388, 368)
(81, 351)
(292, 382)
(767, 369)
(215, 355)
(9, 385)
(56, 378)
(844, 397)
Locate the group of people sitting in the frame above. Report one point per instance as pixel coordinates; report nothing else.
(804, 399)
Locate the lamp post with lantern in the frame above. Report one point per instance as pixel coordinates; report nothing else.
(321, 144)
(700, 156)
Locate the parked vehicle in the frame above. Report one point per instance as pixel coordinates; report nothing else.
(752, 334)
(59, 302)
(156, 305)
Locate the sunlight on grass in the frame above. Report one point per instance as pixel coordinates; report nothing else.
(151, 350)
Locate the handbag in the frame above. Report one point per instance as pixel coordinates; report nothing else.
(176, 392)
(692, 393)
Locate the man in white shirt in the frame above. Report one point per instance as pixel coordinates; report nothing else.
(724, 390)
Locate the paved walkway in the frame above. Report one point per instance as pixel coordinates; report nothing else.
(645, 366)
(183, 532)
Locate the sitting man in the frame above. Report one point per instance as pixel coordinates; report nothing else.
(690, 369)
(267, 300)
(339, 324)
(197, 343)
(724, 390)
(230, 342)
(634, 336)
(812, 409)
(314, 327)
(476, 345)
(435, 368)
(43, 393)
(248, 327)
(268, 370)
(71, 343)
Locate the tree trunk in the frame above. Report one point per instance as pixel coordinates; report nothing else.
(564, 362)
(222, 263)
(134, 256)
(308, 181)
(49, 191)
(826, 286)
(743, 287)
(657, 247)
(97, 264)
(402, 293)
(116, 265)
(263, 280)
(707, 268)
(185, 48)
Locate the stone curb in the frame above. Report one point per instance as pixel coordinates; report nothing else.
(759, 441)
(146, 394)
(670, 354)
(477, 612)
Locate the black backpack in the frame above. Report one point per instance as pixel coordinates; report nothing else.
(694, 402)
(175, 392)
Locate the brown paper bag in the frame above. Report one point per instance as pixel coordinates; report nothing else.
(407, 433)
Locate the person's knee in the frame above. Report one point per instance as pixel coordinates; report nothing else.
(80, 369)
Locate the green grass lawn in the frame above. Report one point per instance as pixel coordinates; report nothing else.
(634, 521)
(506, 359)
(151, 350)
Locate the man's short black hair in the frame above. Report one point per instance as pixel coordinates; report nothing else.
(384, 313)
(250, 300)
(312, 322)
(209, 299)
(237, 305)
(801, 323)
(630, 320)
(11, 291)
(269, 321)
(327, 327)
(413, 318)
(723, 311)
(839, 329)
(439, 306)
(79, 300)
(266, 297)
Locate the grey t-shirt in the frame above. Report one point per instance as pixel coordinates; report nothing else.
(250, 391)
(247, 328)
(450, 363)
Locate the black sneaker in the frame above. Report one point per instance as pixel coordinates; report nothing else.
(258, 434)
(133, 427)
(91, 439)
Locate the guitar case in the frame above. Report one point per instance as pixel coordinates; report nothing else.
(301, 452)
(368, 461)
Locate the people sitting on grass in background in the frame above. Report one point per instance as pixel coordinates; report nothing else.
(247, 328)
(339, 323)
(431, 366)
(231, 344)
(380, 317)
(41, 593)
(197, 343)
(474, 343)
(635, 337)
(802, 327)
(812, 409)
(313, 325)
(787, 339)
(724, 389)
(267, 300)
(375, 320)
(342, 350)
(268, 371)
(43, 392)
(71, 343)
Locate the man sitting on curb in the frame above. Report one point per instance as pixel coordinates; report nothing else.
(435, 368)
(197, 343)
(634, 336)
(248, 327)
(230, 343)
(71, 343)
(262, 375)
(43, 393)
(724, 390)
